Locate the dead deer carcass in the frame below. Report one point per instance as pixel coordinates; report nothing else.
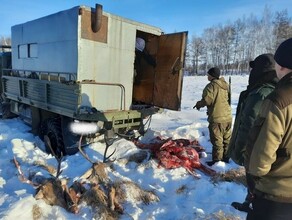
(53, 190)
(106, 195)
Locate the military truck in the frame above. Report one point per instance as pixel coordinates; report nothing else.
(77, 65)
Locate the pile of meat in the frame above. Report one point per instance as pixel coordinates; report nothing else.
(178, 153)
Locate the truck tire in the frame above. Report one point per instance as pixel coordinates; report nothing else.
(52, 129)
(5, 111)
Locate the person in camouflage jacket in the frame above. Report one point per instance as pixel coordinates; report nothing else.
(268, 152)
(262, 81)
(215, 97)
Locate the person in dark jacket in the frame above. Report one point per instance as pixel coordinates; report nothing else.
(215, 97)
(269, 146)
(141, 55)
(262, 81)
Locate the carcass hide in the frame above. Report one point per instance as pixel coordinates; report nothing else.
(178, 153)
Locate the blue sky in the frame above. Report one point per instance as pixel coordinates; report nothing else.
(170, 15)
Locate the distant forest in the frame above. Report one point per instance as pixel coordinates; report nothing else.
(231, 46)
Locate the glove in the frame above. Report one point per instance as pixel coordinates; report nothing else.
(197, 106)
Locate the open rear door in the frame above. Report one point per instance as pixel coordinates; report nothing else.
(169, 71)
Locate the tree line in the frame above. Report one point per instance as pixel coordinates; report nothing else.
(6, 41)
(232, 45)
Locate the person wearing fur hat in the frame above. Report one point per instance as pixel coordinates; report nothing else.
(215, 97)
(269, 146)
(262, 81)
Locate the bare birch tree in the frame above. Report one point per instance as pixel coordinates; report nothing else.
(231, 46)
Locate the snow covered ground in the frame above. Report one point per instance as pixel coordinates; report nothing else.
(197, 199)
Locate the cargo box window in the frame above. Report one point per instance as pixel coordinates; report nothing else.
(22, 51)
(28, 51)
(33, 50)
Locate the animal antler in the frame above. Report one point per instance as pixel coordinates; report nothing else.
(53, 191)
(82, 152)
(59, 159)
(22, 177)
(107, 145)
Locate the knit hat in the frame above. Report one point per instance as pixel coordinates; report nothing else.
(215, 72)
(283, 55)
(263, 63)
(263, 69)
(140, 44)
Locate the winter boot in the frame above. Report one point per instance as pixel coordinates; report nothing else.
(244, 207)
(226, 159)
(211, 163)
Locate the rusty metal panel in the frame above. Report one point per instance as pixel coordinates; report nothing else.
(86, 29)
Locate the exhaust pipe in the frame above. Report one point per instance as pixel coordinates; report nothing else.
(97, 18)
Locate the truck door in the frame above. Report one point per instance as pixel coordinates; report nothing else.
(169, 71)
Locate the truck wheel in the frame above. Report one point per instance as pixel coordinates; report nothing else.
(5, 110)
(51, 129)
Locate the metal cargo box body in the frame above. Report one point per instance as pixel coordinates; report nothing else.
(47, 44)
(107, 56)
(101, 62)
(58, 97)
